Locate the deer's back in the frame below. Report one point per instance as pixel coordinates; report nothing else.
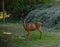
(38, 24)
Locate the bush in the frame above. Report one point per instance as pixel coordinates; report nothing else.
(49, 17)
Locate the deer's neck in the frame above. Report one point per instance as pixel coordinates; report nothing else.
(24, 24)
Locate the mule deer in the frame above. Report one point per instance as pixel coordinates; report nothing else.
(31, 27)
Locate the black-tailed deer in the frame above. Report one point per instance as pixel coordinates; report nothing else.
(31, 27)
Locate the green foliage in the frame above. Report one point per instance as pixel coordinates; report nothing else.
(49, 17)
(42, 13)
(57, 26)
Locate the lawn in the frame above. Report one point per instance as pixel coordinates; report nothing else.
(13, 35)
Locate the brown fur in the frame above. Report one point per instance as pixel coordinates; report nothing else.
(33, 26)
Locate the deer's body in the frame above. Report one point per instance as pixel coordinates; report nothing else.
(33, 26)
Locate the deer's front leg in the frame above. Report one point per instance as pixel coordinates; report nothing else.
(28, 34)
(40, 32)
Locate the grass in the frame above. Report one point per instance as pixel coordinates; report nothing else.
(50, 38)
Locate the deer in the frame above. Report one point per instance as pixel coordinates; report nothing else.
(31, 27)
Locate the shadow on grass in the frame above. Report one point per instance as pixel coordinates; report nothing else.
(11, 41)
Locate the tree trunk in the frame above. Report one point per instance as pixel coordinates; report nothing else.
(3, 11)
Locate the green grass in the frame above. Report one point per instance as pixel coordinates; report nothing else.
(49, 37)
